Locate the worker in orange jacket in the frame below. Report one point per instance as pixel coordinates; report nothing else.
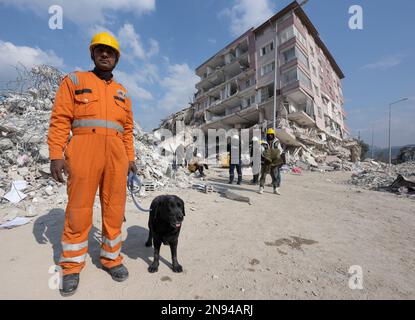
(99, 154)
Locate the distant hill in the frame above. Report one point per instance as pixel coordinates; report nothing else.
(382, 154)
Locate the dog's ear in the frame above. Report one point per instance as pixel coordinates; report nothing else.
(154, 208)
(182, 203)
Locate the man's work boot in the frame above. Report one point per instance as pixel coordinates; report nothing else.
(118, 273)
(70, 283)
(239, 181)
(277, 191)
(261, 190)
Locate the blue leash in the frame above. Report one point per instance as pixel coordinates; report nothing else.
(134, 186)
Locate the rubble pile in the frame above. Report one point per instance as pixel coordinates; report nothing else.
(406, 154)
(24, 120)
(328, 156)
(377, 176)
(24, 155)
(156, 169)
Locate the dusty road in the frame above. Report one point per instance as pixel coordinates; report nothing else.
(299, 245)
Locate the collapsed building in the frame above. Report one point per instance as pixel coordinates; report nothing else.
(280, 71)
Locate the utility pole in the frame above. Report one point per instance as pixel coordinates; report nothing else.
(276, 69)
(390, 117)
(373, 129)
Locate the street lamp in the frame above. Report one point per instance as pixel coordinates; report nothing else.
(390, 116)
(276, 69)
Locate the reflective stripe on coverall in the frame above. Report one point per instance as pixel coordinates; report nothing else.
(100, 117)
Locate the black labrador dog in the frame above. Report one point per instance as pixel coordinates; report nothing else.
(164, 223)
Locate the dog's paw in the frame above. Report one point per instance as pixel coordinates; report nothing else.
(153, 268)
(177, 268)
(149, 244)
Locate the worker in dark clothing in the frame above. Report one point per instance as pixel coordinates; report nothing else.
(234, 149)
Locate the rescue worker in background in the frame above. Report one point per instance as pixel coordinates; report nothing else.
(100, 154)
(198, 164)
(234, 149)
(256, 159)
(272, 161)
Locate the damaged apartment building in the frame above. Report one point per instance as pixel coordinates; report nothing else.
(282, 65)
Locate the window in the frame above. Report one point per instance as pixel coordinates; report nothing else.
(316, 90)
(321, 80)
(267, 49)
(264, 94)
(301, 57)
(304, 79)
(286, 34)
(249, 82)
(314, 69)
(311, 51)
(289, 55)
(300, 37)
(267, 68)
(292, 53)
(249, 101)
(289, 77)
(320, 112)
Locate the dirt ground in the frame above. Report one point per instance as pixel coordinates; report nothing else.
(299, 245)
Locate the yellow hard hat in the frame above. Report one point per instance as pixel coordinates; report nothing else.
(271, 131)
(106, 39)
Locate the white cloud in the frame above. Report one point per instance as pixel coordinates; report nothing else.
(131, 83)
(131, 42)
(88, 12)
(12, 55)
(179, 84)
(246, 14)
(385, 63)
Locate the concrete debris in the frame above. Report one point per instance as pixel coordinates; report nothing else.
(206, 188)
(16, 222)
(234, 196)
(403, 185)
(373, 175)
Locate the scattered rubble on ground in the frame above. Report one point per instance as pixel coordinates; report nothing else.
(377, 176)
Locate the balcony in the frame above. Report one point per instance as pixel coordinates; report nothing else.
(233, 115)
(301, 118)
(231, 67)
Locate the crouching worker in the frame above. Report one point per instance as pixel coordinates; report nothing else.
(197, 164)
(271, 158)
(100, 154)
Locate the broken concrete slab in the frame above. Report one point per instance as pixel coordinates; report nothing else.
(234, 196)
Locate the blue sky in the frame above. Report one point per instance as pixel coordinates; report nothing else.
(163, 41)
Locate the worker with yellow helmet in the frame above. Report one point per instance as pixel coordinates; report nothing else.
(98, 111)
(272, 160)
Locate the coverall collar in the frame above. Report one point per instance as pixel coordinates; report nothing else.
(103, 75)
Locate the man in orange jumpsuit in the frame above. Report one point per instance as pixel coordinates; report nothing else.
(100, 154)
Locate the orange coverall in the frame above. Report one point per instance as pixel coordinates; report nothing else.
(99, 114)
